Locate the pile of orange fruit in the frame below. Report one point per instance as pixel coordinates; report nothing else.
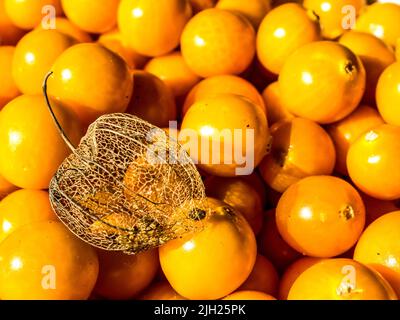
(318, 81)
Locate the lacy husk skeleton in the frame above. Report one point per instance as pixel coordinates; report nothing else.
(127, 186)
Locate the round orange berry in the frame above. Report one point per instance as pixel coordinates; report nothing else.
(226, 237)
(340, 279)
(379, 248)
(31, 149)
(217, 42)
(320, 222)
(72, 81)
(38, 261)
(282, 31)
(372, 162)
(227, 135)
(24, 207)
(382, 20)
(323, 81)
(300, 148)
(137, 20)
(34, 56)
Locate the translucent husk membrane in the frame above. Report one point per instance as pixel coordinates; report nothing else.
(127, 186)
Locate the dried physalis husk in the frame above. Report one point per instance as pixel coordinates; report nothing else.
(128, 187)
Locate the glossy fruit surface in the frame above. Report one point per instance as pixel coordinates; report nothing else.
(34, 56)
(72, 81)
(8, 88)
(379, 248)
(375, 55)
(292, 273)
(318, 222)
(388, 94)
(92, 15)
(346, 131)
(234, 124)
(213, 86)
(226, 237)
(340, 279)
(382, 20)
(31, 149)
(38, 261)
(300, 148)
(153, 27)
(335, 16)
(24, 207)
(27, 14)
(322, 81)
(373, 161)
(283, 30)
(216, 42)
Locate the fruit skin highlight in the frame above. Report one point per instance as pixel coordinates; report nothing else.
(92, 16)
(34, 56)
(226, 245)
(27, 14)
(214, 122)
(318, 222)
(72, 81)
(378, 248)
(217, 42)
(319, 72)
(282, 31)
(300, 148)
(40, 249)
(326, 280)
(31, 148)
(347, 130)
(373, 161)
(153, 27)
(15, 213)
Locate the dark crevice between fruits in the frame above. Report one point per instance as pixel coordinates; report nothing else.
(280, 156)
